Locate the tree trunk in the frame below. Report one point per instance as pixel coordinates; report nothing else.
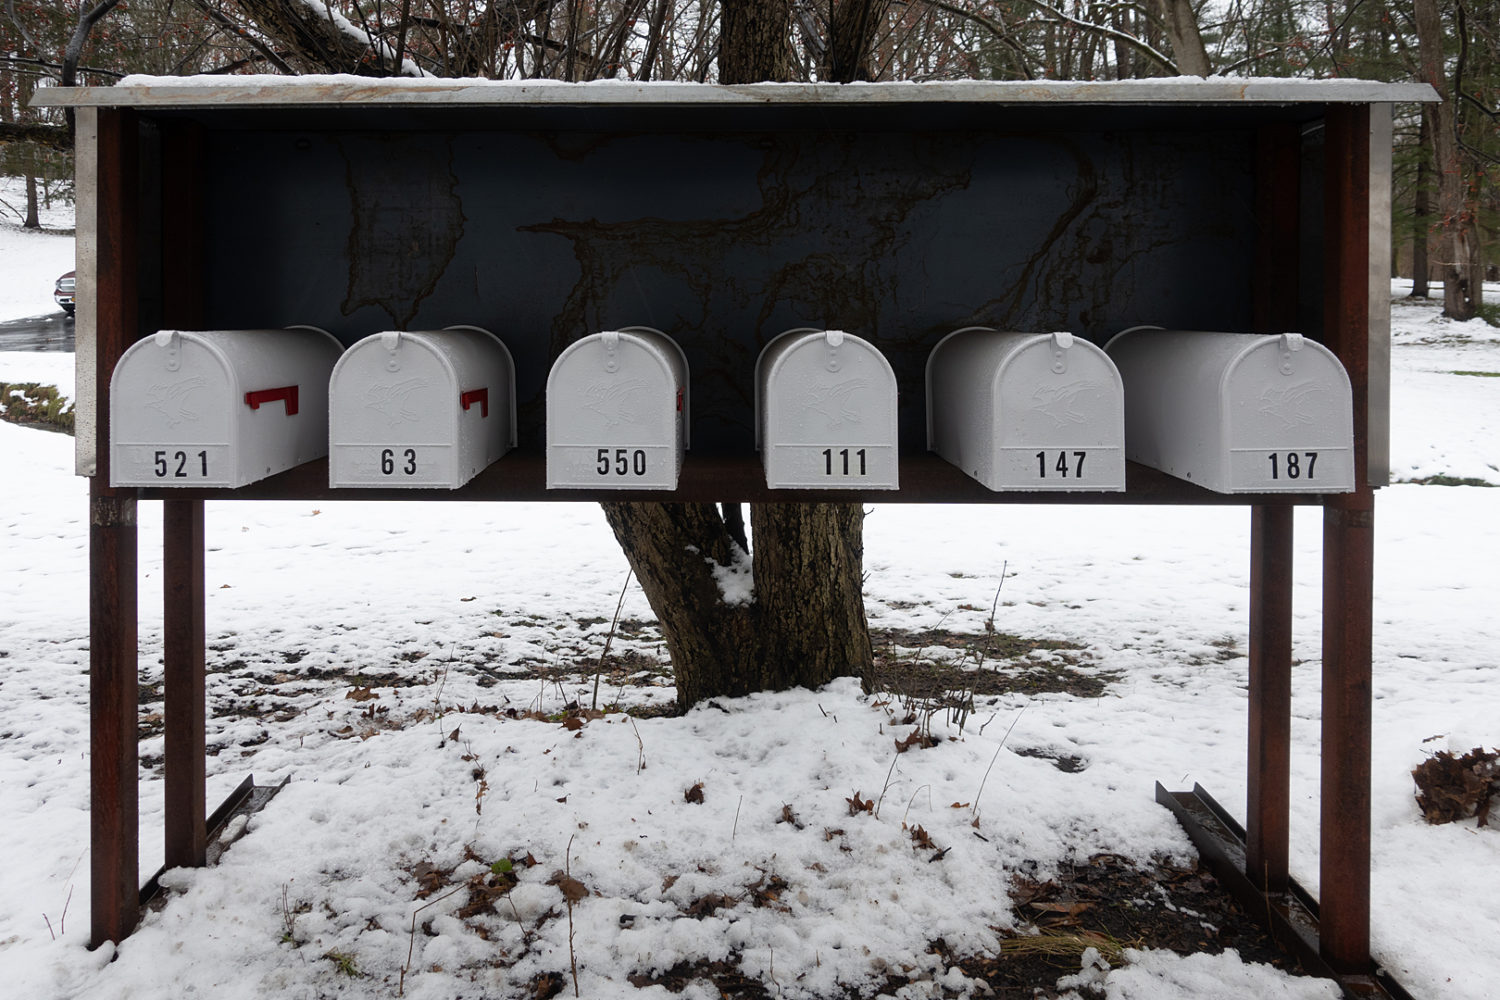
(805, 623)
(754, 41)
(809, 592)
(1457, 241)
(851, 39)
(32, 222)
(1421, 209)
(1181, 26)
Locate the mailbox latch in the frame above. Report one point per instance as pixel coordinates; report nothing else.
(611, 341)
(391, 341)
(1062, 340)
(171, 342)
(1285, 348)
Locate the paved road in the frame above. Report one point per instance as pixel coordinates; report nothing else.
(38, 333)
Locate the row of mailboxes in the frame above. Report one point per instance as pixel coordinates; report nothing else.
(1235, 413)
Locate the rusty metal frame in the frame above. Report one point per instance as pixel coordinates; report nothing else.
(111, 148)
(1289, 914)
(1348, 556)
(114, 796)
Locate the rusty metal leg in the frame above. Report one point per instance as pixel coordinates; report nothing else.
(1348, 598)
(1270, 697)
(114, 830)
(114, 836)
(1348, 554)
(183, 656)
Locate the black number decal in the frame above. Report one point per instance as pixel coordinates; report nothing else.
(387, 462)
(1293, 464)
(622, 462)
(411, 462)
(162, 469)
(844, 455)
(1061, 466)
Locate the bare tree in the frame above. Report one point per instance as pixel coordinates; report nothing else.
(1462, 281)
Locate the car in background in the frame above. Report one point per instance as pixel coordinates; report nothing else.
(63, 291)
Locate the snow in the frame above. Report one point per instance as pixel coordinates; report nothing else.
(1307, 89)
(31, 261)
(428, 615)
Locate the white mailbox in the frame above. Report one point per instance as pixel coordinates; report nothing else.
(617, 412)
(1237, 412)
(825, 412)
(1027, 411)
(420, 409)
(219, 407)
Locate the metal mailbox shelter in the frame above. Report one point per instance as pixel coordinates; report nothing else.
(723, 216)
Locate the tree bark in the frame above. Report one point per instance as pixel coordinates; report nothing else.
(754, 41)
(1457, 240)
(806, 622)
(1421, 209)
(851, 39)
(809, 593)
(1181, 26)
(317, 42)
(32, 220)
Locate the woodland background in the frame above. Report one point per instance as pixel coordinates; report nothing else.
(1445, 201)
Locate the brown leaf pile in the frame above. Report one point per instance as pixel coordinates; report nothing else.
(1452, 788)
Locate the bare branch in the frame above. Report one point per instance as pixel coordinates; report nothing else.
(50, 136)
(52, 68)
(248, 38)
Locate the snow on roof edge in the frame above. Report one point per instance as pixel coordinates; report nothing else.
(142, 91)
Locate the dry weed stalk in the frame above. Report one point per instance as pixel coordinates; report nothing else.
(609, 638)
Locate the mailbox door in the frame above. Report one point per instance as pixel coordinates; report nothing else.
(829, 419)
(170, 402)
(1061, 423)
(1289, 419)
(615, 413)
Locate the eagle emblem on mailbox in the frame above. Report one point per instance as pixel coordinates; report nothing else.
(1057, 402)
(170, 398)
(614, 401)
(390, 399)
(1290, 405)
(832, 400)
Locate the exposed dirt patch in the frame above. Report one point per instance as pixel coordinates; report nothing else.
(1107, 903)
(922, 664)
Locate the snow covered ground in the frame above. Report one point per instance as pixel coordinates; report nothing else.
(368, 651)
(30, 260)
